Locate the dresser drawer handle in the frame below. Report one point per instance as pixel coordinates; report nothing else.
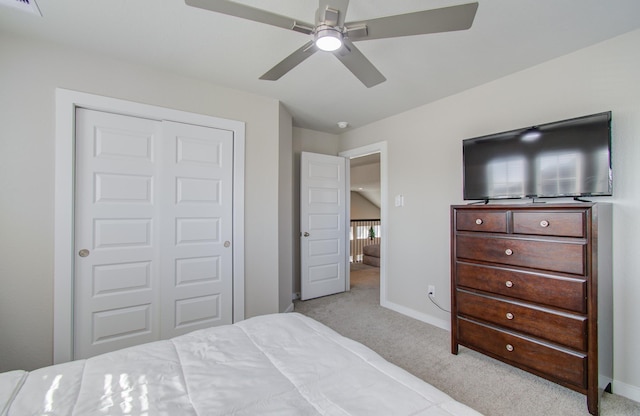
(508, 283)
(508, 252)
(479, 221)
(544, 223)
(509, 315)
(509, 347)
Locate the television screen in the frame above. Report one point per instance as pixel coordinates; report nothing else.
(569, 158)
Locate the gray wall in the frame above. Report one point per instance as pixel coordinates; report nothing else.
(29, 73)
(425, 165)
(362, 208)
(285, 212)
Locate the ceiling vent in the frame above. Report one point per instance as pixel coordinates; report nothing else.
(28, 6)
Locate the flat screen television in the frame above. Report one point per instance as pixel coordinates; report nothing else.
(569, 158)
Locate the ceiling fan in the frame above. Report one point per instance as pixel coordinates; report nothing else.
(331, 33)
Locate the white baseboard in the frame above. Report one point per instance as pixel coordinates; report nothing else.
(626, 390)
(446, 325)
(289, 308)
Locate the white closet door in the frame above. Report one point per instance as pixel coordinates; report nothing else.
(196, 263)
(153, 211)
(116, 237)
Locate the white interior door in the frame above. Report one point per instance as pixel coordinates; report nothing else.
(323, 224)
(196, 229)
(116, 268)
(141, 224)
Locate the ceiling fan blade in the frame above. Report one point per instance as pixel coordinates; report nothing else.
(445, 19)
(332, 19)
(359, 65)
(251, 13)
(290, 62)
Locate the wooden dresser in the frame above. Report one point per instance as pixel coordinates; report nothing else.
(531, 286)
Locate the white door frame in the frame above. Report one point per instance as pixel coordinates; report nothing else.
(380, 147)
(66, 103)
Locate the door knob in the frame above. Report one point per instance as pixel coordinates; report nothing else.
(306, 234)
(83, 253)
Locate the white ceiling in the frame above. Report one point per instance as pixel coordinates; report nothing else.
(507, 36)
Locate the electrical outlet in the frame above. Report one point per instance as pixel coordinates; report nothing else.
(431, 290)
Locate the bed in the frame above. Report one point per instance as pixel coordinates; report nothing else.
(282, 364)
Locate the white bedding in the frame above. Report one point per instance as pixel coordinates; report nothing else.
(283, 364)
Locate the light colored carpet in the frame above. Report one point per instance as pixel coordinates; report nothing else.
(487, 385)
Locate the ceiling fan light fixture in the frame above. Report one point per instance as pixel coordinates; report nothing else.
(328, 38)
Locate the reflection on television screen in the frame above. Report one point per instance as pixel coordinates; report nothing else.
(560, 159)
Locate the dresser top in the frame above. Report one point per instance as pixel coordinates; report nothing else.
(536, 205)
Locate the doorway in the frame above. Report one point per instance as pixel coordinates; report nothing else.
(365, 222)
(367, 154)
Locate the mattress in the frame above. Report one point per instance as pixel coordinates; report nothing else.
(282, 364)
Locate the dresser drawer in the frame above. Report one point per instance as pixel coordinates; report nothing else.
(566, 224)
(546, 255)
(555, 363)
(565, 329)
(482, 220)
(543, 289)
